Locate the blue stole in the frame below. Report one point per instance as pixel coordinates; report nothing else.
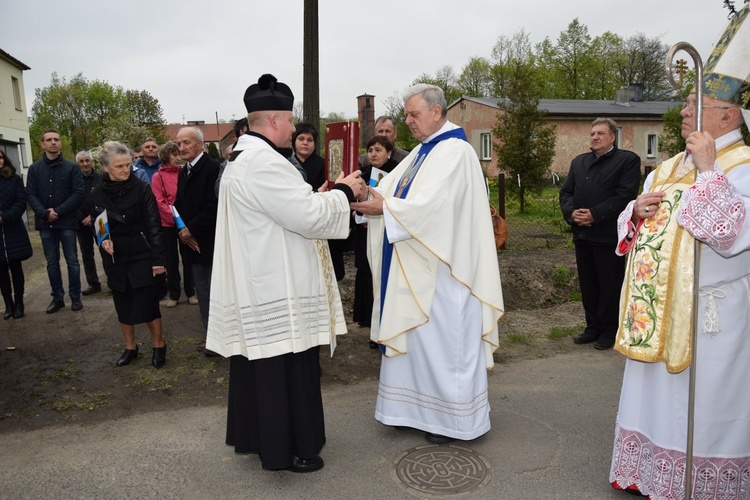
(402, 189)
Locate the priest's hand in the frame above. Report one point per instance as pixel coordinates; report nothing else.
(355, 182)
(372, 206)
(702, 146)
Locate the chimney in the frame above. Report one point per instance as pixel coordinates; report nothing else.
(366, 115)
(630, 93)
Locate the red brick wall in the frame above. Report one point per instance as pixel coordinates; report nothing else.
(572, 135)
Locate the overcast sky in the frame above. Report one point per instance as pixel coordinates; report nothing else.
(198, 57)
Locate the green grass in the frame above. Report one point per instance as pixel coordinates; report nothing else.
(561, 333)
(561, 276)
(82, 402)
(520, 338)
(153, 380)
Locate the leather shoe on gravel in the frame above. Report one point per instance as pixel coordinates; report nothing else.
(306, 464)
(586, 338)
(76, 304)
(437, 438)
(55, 306)
(92, 290)
(127, 356)
(604, 344)
(159, 356)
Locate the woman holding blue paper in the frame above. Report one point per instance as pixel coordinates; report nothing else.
(133, 253)
(164, 187)
(379, 150)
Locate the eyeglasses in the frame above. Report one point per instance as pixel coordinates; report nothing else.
(691, 107)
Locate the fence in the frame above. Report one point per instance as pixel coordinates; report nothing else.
(540, 226)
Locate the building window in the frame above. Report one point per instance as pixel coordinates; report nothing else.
(16, 92)
(651, 146)
(486, 146)
(619, 138)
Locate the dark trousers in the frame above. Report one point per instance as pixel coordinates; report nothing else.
(275, 407)
(202, 281)
(52, 240)
(174, 249)
(86, 244)
(600, 275)
(7, 284)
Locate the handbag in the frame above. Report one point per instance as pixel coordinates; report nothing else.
(498, 227)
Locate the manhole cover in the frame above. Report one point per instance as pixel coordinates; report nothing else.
(442, 470)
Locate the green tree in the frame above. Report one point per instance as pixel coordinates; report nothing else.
(213, 151)
(446, 79)
(573, 59)
(671, 140)
(474, 79)
(641, 61)
(526, 145)
(604, 81)
(394, 107)
(506, 52)
(87, 113)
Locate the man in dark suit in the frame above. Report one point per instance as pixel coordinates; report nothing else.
(196, 202)
(86, 239)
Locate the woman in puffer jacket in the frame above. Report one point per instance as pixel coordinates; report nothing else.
(15, 246)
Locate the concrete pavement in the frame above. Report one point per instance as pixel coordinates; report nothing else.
(552, 431)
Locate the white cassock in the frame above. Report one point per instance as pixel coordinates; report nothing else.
(273, 290)
(650, 436)
(443, 300)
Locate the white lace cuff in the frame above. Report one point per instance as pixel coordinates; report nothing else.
(625, 229)
(712, 210)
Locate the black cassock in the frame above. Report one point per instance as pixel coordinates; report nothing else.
(275, 407)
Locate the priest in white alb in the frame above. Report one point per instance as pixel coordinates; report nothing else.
(702, 194)
(274, 298)
(437, 285)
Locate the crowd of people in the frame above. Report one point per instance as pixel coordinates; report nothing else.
(259, 237)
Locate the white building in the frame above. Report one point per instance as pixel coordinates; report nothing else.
(14, 119)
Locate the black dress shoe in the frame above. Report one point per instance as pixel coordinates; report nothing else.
(55, 306)
(373, 345)
(8, 310)
(586, 338)
(76, 304)
(18, 309)
(306, 464)
(437, 438)
(92, 290)
(604, 344)
(127, 356)
(159, 356)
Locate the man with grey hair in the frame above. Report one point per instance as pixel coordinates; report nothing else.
(436, 280)
(599, 186)
(196, 203)
(85, 233)
(386, 126)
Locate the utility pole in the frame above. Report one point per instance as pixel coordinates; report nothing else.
(311, 77)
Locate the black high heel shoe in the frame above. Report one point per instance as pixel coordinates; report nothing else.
(8, 309)
(127, 356)
(159, 356)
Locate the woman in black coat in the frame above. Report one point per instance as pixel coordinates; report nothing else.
(15, 246)
(133, 254)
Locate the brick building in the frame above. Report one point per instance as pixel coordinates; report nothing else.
(639, 125)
